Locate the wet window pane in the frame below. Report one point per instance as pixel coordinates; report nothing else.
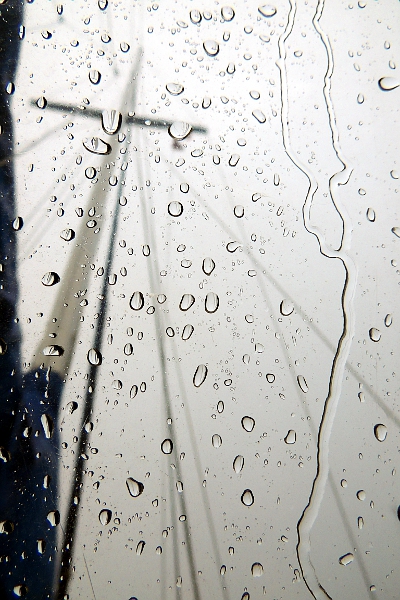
(199, 238)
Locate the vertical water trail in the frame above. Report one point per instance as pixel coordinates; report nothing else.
(341, 177)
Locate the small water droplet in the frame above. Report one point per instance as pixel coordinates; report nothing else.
(247, 497)
(41, 102)
(175, 209)
(125, 47)
(184, 187)
(90, 172)
(361, 495)
(48, 426)
(206, 102)
(232, 246)
(374, 334)
(216, 440)
(259, 115)
(220, 407)
(167, 446)
(50, 278)
(53, 518)
(179, 130)
(135, 488)
(267, 10)
(186, 264)
(380, 432)
(371, 215)
(137, 301)
(388, 83)
(53, 351)
(257, 570)
(174, 88)
(396, 231)
(248, 423)
(290, 437)
(187, 332)
(195, 16)
(286, 308)
(105, 516)
(360, 99)
(211, 47)
(255, 94)
(186, 302)
(200, 375)
(133, 392)
(227, 13)
(270, 377)
(111, 121)
(94, 357)
(302, 383)
(140, 547)
(234, 159)
(18, 223)
(238, 463)
(94, 76)
(346, 559)
(208, 266)
(238, 211)
(388, 320)
(67, 235)
(10, 88)
(97, 146)
(211, 302)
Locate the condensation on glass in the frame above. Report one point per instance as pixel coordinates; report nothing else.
(200, 244)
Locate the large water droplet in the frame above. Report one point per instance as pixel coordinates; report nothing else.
(290, 437)
(50, 278)
(286, 308)
(200, 375)
(267, 10)
(216, 440)
(20, 590)
(94, 357)
(137, 301)
(174, 88)
(167, 446)
(247, 498)
(211, 47)
(259, 115)
(346, 559)
(302, 383)
(97, 146)
(186, 302)
(53, 351)
(53, 518)
(105, 516)
(179, 130)
(211, 302)
(380, 432)
(175, 209)
(187, 332)
(238, 463)
(135, 488)
(111, 121)
(227, 13)
(374, 334)
(257, 570)
(388, 83)
(248, 423)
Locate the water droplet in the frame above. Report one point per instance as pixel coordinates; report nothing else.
(346, 559)
(10, 88)
(232, 246)
(227, 13)
(186, 302)
(20, 590)
(238, 463)
(254, 94)
(71, 407)
(211, 302)
(267, 10)
(286, 308)
(247, 498)
(200, 375)
(187, 332)
(238, 211)
(94, 76)
(53, 351)
(302, 383)
(174, 88)
(50, 278)
(3, 347)
(97, 146)
(211, 47)
(53, 518)
(105, 516)
(394, 174)
(111, 121)
(67, 235)
(396, 231)
(206, 103)
(388, 83)
(125, 47)
(140, 547)
(170, 332)
(290, 437)
(361, 495)
(48, 426)
(259, 115)
(41, 102)
(220, 407)
(90, 172)
(94, 357)
(208, 266)
(186, 264)
(41, 546)
(371, 215)
(248, 423)
(18, 223)
(197, 153)
(167, 446)
(388, 320)
(374, 334)
(133, 392)
(360, 99)
(195, 16)
(222, 570)
(270, 377)
(216, 440)
(135, 488)
(234, 159)
(231, 68)
(257, 570)
(179, 130)
(380, 432)
(137, 301)
(175, 209)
